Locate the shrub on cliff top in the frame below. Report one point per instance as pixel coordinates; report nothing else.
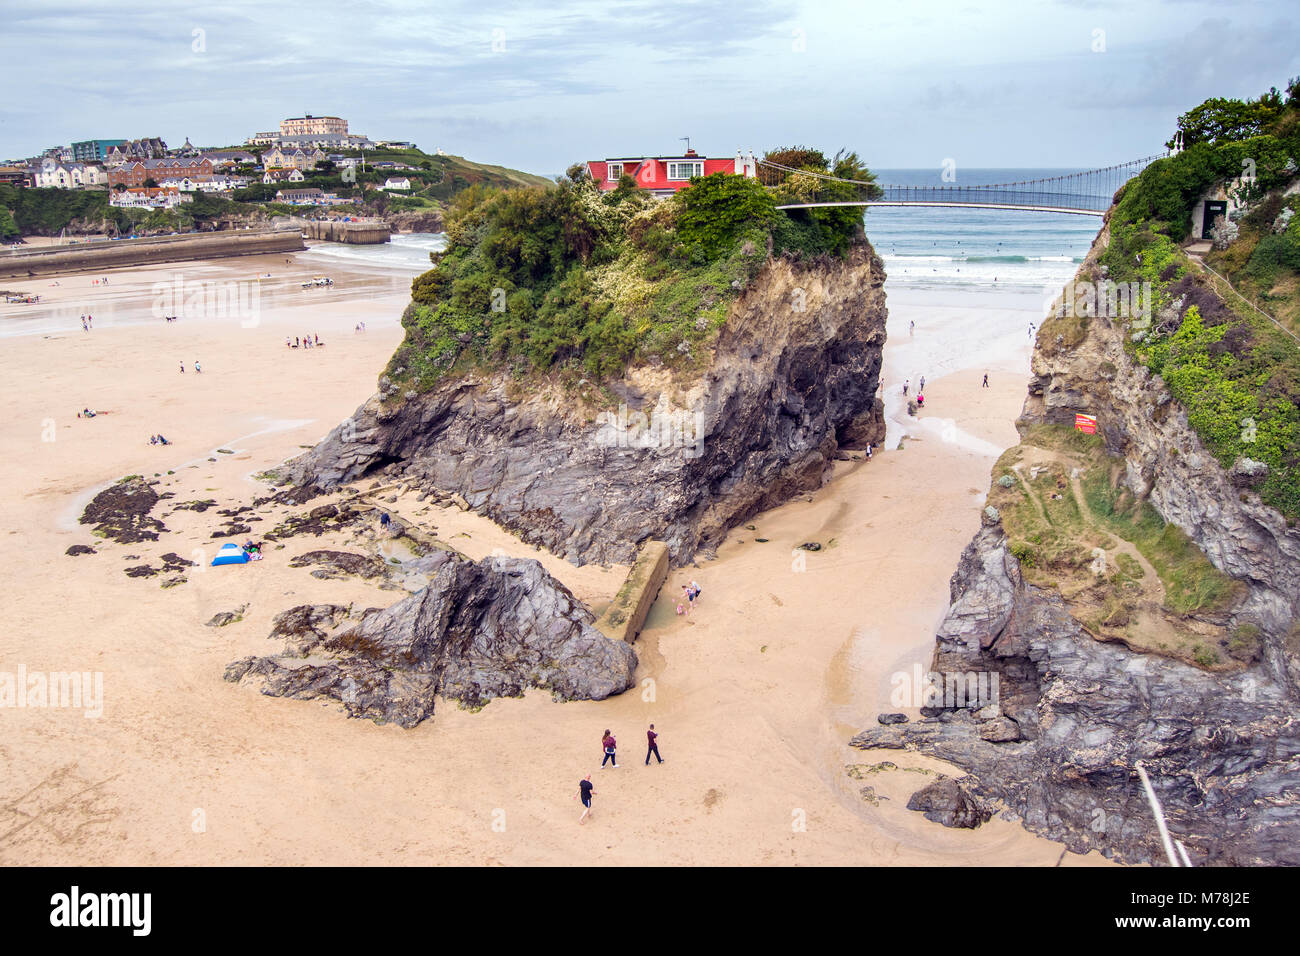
(576, 279)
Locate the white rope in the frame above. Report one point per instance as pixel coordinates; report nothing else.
(1159, 814)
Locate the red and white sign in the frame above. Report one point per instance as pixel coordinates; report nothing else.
(1085, 423)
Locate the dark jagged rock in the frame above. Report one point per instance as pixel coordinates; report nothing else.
(794, 369)
(307, 625)
(892, 718)
(340, 564)
(318, 521)
(1223, 751)
(77, 549)
(174, 562)
(480, 630)
(122, 512)
(953, 803)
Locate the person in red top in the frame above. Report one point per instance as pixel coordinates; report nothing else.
(653, 747)
(611, 749)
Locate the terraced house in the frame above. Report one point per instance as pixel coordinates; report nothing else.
(138, 172)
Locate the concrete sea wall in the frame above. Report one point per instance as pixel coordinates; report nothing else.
(95, 256)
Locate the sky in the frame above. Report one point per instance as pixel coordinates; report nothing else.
(538, 86)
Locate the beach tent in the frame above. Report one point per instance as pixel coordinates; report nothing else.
(230, 554)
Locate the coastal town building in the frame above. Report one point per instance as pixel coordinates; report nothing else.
(279, 158)
(55, 175)
(149, 198)
(16, 175)
(307, 197)
(318, 140)
(313, 126)
(136, 173)
(217, 184)
(402, 184)
(150, 147)
(94, 149)
(229, 158)
(665, 175)
(272, 176)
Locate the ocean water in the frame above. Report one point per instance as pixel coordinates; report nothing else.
(405, 253)
(955, 250)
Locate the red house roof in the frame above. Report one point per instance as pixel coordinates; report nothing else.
(665, 174)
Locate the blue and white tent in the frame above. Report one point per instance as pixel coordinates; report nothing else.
(230, 554)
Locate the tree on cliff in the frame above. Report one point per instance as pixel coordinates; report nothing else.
(1219, 120)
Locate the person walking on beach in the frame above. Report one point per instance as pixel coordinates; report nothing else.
(921, 387)
(611, 750)
(911, 328)
(84, 326)
(986, 380)
(586, 790)
(182, 366)
(905, 384)
(652, 747)
(196, 366)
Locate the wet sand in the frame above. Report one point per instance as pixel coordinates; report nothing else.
(755, 695)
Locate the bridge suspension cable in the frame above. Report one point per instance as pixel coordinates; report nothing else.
(1086, 191)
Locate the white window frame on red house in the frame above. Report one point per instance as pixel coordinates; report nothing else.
(676, 164)
(610, 175)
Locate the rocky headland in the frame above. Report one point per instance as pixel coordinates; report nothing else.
(790, 379)
(1136, 602)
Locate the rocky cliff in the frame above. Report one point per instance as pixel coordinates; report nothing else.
(791, 377)
(1079, 703)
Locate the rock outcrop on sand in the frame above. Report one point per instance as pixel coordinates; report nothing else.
(791, 378)
(483, 629)
(122, 512)
(1075, 715)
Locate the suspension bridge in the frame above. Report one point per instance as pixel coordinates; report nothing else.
(1086, 193)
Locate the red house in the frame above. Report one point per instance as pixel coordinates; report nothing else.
(664, 175)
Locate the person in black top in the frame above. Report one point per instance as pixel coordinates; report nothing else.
(585, 792)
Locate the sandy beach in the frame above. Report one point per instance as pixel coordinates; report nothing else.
(755, 695)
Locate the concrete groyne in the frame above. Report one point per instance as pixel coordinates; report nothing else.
(94, 256)
(623, 618)
(356, 233)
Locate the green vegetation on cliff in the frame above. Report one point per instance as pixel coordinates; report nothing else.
(583, 282)
(1236, 373)
(1124, 573)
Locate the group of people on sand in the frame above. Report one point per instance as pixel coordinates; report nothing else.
(690, 593)
(158, 440)
(308, 341)
(252, 549)
(197, 368)
(87, 413)
(609, 746)
(87, 322)
(920, 390)
(361, 327)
